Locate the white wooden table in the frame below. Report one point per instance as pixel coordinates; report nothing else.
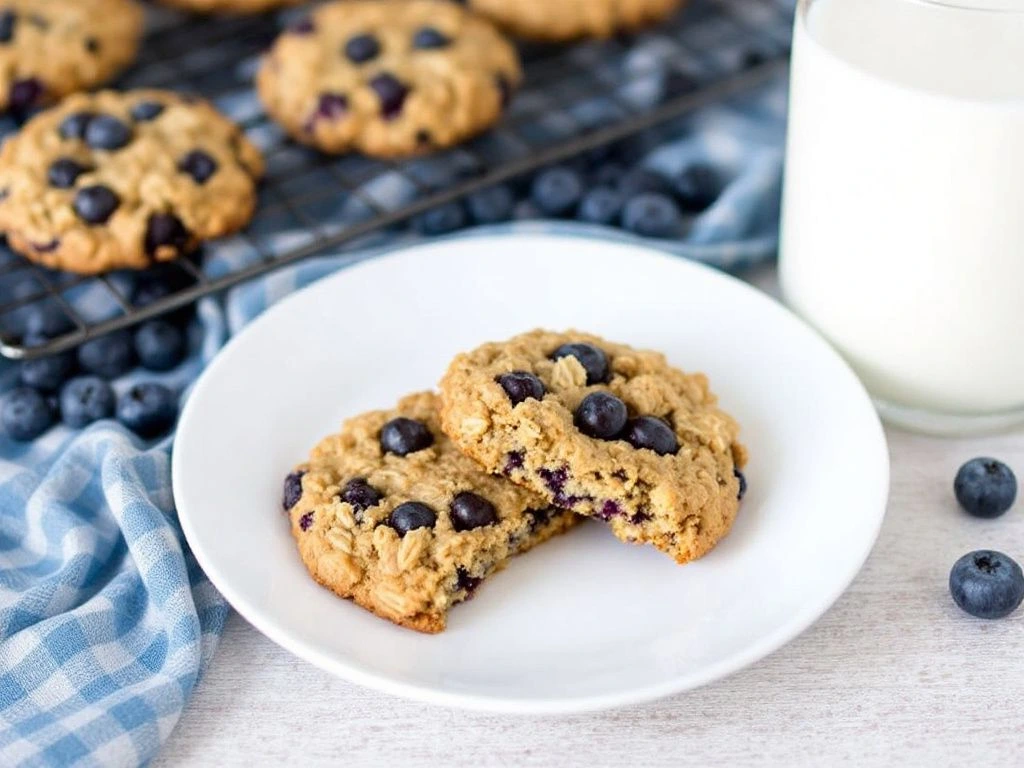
(893, 674)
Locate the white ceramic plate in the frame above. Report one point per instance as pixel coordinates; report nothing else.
(584, 622)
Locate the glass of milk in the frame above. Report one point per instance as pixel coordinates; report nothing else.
(903, 213)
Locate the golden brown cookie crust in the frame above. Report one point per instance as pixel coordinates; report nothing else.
(41, 221)
(553, 21)
(455, 91)
(57, 47)
(683, 504)
(412, 580)
(230, 6)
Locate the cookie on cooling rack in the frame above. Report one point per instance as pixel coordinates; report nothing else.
(229, 6)
(573, 19)
(388, 77)
(111, 180)
(50, 48)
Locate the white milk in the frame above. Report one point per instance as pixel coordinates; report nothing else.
(903, 223)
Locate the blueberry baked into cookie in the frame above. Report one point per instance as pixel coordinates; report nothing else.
(113, 180)
(572, 19)
(391, 515)
(603, 430)
(388, 77)
(50, 48)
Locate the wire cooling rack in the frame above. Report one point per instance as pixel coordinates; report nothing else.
(575, 99)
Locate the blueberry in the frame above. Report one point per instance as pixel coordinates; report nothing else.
(360, 494)
(7, 21)
(303, 27)
(697, 188)
(391, 92)
(469, 511)
(504, 89)
(492, 205)
(601, 206)
(86, 399)
(652, 215)
(96, 204)
(64, 172)
(292, 490)
(107, 132)
(150, 290)
(73, 126)
(601, 415)
(147, 409)
(144, 111)
(410, 516)
(743, 483)
(403, 436)
(199, 165)
(160, 346)
(466, 582)
(26, 414)
(46, 373)
(640, 181)
(985, 487)
(428, 38)
(46, 321)
(25, 94)
(609, 175)
(593, 360)
(521, 385)
(652, 433)
(557, 191)
(442, 219)
(362, 48)
(165, 230)
(987, 584)
(108, 356)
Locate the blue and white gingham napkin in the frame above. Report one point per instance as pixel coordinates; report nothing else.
(106, 622)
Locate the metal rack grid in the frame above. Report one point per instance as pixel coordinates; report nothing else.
(575, 99)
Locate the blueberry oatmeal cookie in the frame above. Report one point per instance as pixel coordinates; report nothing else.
(229, 6)
(391, 515)
(113, 180)
(572, 19)
(388, 77)
(50, 48)
(603, 430)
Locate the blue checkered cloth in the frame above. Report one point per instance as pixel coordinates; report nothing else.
(106, 622)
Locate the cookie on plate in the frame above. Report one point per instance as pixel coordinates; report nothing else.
(388, 77)
(229, 6)
(603, 430)
(573, 19)
(391, 515)
(50, 48)
(111, 180)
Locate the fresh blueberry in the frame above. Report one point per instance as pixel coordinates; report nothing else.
(25, 94)
(46, 373)
(641, 181)
(391, 92)
(442, 219)
(159, 345)
(150, 290)
(45, 321)
(86, 399)
(521, 385)
(64, 172)
(362, 48)
(144, 111)
(147, 409)
(96, 204)
(428, 38)
(26, 414)
(593, 360)
(601, 415)
(165, 230)
(987, 584)
(292, 490)
(652, 215)
(697, 188)
(360, 494)
(7, 21)
(107, 132)
(108, 356)
(469, 511)
(743, 483)
(652, 433)
(410, 516)
(985, 487)
(492, 205)
(403, 436)
(601, 205)
(73, 126)
(557, 191)
(609, 175)
(199, 165)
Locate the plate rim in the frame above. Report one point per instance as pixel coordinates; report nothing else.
(799, 623)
